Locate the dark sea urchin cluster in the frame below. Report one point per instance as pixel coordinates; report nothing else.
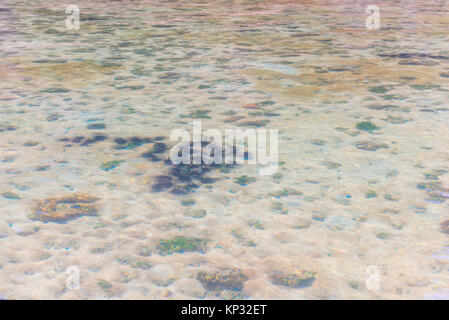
(185, 177)
(181, 178)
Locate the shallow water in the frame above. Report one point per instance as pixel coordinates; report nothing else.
(355, 210)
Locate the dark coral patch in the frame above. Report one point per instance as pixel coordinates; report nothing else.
(185, 178)
(7, 128)
(162, 183)
(96, 126)
(131, 143)
(94, 139)
(445, 227)
(85, 141)
(158, 148)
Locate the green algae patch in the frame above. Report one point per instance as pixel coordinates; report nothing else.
(96, 126)
(55, 90)
(285, 192)
(200, 213)
(331, 165)
(188, 202)
(379, 89)
(106, 286)
(198, 114)
(255, 123)
(371, 194)
(110, 165)
(181, 244)
(31, 143)
(244, 180)
(366, 126)
(131, 143)
(424, 86)
(143, 265)
(383, 235)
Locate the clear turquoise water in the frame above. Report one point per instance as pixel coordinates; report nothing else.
(356, 209)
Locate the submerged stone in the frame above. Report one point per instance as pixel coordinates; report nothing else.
(225, 279)
(200, 213)
(162, 183)
(159, 147)
(445, 227)
(370, 146)
(61, 210)
(143, 265)
(96, 126)
(300, 279)
(110, 165)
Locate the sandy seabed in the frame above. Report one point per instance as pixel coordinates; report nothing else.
(356, 210)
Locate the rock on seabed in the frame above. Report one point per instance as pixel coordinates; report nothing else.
(63, 209)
